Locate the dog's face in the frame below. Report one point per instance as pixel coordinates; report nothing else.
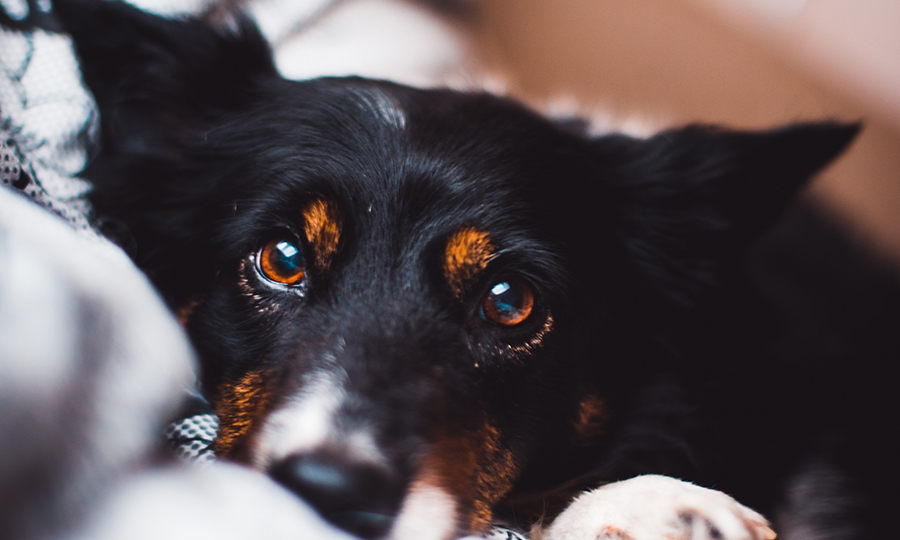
(373, 306)
(410, 304)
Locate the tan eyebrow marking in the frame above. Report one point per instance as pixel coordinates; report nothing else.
(468, 253)
(322, 226)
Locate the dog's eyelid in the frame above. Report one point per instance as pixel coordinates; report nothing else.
(494, 256)
(281, 230)
(508, 263)
(281, 233)
(537, 265)
(266, 231)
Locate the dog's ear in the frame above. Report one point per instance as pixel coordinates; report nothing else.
(688, 201)
(158, 79)
(161, 85)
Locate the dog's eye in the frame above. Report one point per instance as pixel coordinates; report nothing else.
(281, 261)
(509, 302)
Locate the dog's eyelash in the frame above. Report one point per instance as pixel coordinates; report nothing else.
(250, 292)
(254, 287)
(518, 352)
(547, 279)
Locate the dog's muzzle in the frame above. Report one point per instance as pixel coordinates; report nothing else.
(361, 498)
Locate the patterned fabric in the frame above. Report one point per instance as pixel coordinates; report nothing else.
(90, 360)
(191, 438)
(10, 168)
(48, 120)
(500, 533)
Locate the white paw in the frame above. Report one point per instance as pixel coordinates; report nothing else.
(657, 508)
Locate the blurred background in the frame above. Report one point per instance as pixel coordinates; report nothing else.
(745, 63)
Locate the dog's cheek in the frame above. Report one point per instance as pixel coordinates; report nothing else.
(184, 312)
(429, 512)
(592, 419)
(473, 469)
(496, 470)
(240, 407)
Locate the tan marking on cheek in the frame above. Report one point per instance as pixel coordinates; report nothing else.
(185, 311)
(238, 408)
(496, 471)
(592, 418)
(322, 226)
(474, 467)
(467, 253)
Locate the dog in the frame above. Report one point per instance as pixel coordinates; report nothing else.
(427, 311)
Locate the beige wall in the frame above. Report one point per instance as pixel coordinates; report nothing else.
(675, 62)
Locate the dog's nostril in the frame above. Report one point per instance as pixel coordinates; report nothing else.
(364, 524)
(357, 497)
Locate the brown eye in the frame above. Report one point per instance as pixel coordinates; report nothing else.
(280, 261)
(509, 302)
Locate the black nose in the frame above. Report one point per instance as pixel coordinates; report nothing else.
(360, 498)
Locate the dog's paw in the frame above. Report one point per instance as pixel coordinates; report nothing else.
(657, 508)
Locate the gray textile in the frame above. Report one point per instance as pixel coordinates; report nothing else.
(91, 361)
(47, 121)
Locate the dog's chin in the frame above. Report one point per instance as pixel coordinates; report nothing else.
(428, 513)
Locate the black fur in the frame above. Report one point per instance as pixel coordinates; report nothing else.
(637, 248)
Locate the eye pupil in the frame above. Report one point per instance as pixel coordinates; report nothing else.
(287, 258)
(509, 302)
(281, 261)
(506, 300)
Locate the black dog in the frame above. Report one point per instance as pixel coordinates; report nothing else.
(440, 304)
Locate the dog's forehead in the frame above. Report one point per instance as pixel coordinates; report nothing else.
(406, 174)
(380, 105)
(369, 118)
(399, 156)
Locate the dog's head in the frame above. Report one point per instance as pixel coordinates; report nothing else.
(411, 303)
